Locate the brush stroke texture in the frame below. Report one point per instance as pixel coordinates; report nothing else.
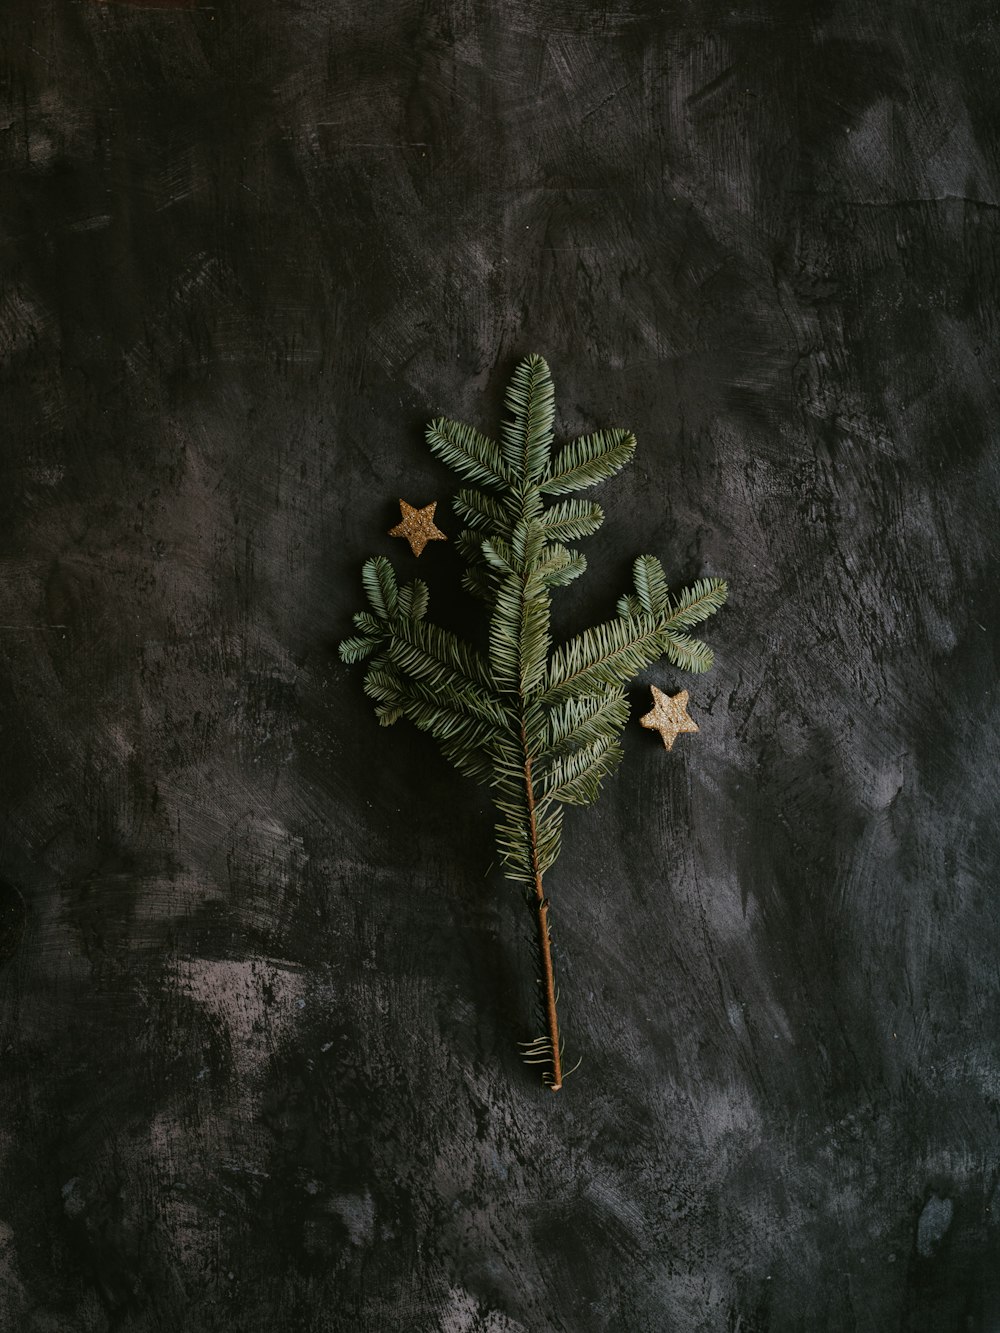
(259, 1064)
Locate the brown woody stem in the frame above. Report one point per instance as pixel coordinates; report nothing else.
(544, 944)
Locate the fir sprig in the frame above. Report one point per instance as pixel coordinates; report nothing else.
(539, 724)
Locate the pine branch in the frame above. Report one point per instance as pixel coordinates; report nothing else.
(476, 580)
(651, 585)
(472, 455)
(629, 605)
(541, 726)
(527, 437)
(575, 779)
(588, 460)
(606, 655)
(357, 648)
(687, 653)
(413, 600)
(563, 570)
(697, 603)
(571, 519)
(483, 511)
(577, 722)
(379, 581)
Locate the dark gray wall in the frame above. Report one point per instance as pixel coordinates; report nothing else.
(259, 1065)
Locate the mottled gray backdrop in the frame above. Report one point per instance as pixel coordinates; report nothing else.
(258, 1033)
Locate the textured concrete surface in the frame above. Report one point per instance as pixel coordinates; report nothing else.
(259, 1065)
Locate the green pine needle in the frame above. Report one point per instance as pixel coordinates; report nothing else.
(539, 723)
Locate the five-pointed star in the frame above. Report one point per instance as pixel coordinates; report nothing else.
(417, 526)
(669, 716)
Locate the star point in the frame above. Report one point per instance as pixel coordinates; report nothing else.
(417, 526)
(669, 716)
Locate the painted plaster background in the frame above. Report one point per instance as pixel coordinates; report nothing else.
(258, 1037)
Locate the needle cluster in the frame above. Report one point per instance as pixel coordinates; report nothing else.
(539, 723)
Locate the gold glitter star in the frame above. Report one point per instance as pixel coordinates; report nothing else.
(417, 526)
(669, 716)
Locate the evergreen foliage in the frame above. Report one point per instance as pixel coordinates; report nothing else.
(539, 723)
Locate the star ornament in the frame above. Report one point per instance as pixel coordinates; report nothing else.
(669, 716)
(417, 526)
